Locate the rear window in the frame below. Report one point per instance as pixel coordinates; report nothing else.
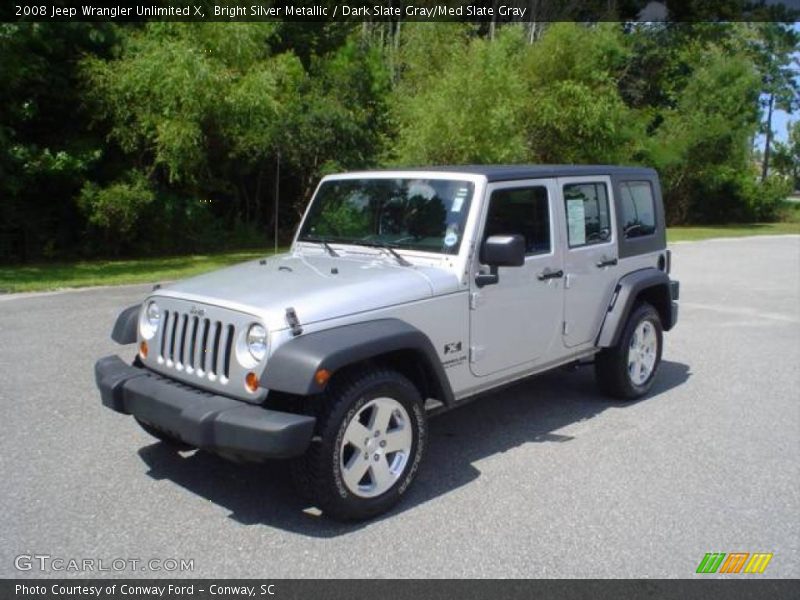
(588, 216)
(638, 209)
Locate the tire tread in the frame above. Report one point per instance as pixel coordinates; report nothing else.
(611, 364)
(309, 471)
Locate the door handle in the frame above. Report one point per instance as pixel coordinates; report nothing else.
(606, 262)
(548, 274)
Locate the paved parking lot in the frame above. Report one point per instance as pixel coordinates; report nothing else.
(545, 479)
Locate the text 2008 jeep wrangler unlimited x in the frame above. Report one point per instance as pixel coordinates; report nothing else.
(405, 293)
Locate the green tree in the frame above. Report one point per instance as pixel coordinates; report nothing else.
(574, 112)
(787, 156)
(702, 146)
(46, 144)
(200, 109)
(340, 119)
(468, 105)
(775, 48)
(117, 209)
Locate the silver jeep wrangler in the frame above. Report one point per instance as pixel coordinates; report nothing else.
(405, 293)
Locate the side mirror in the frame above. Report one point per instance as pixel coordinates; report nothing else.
(500, 251)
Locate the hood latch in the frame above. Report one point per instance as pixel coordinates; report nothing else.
(293, 321)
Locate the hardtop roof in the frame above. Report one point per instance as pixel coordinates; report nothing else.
(512, 172)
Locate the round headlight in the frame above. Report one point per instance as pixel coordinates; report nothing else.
(148, 323)
(153, 315)
(257, 341)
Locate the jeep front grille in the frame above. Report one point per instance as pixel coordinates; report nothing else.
(196, 345)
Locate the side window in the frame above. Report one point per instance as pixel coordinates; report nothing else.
(588, 216)
(638, 209)
(523, 211)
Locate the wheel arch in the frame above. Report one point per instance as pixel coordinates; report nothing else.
(648, 285)
(387, 342)
(124, 331)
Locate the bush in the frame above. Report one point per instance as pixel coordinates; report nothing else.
(116, 209)
(765, 200)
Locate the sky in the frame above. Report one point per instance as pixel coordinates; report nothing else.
(780, 122)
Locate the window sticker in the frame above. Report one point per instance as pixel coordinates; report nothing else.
(458, 201)
(576, 222)
(451, 239)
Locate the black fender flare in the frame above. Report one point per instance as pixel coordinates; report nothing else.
(124, 331)
(660, 291)
(292, 366)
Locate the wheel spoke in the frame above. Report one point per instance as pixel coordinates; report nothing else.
(635, 340)
(381, 415)
(634, 366)
(382, 477)
(356, 433)
(649, 360)
(354, 470)
(398, 439)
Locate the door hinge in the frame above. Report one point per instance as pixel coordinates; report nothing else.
(567, 281)
(475, 300)
(476, 353)
(564, 328)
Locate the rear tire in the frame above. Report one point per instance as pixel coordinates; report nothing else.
(369, 441)
(164, 437)
(627, 370)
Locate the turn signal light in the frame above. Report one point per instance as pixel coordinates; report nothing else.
(322, 376)
(251, 382)
(143, 349)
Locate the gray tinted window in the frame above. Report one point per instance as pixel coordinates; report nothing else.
(523, 211)
(638, 209)
(588, 216)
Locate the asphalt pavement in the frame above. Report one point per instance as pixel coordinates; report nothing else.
(544, 479)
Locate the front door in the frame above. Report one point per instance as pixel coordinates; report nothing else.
(590, 262)
(515, 322)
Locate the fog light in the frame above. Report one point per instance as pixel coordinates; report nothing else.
(322, 376)
(143, 349)
(251, 382)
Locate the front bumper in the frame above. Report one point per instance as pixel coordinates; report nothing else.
(202, 419)
(674, 293)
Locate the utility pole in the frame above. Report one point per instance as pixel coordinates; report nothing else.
(277, 194)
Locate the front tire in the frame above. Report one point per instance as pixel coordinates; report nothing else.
(627, 370)
(370, 438)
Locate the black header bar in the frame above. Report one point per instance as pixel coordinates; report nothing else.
(403, 10)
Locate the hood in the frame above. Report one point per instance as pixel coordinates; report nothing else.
(318, 287)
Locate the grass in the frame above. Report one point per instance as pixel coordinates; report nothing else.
(52, 276)
(693, 234)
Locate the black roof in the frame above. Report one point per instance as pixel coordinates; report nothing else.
(511, 172)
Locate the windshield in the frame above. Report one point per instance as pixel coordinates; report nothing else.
(417, 214)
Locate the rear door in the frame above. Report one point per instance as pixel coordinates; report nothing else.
(590, 262)
(516, 321)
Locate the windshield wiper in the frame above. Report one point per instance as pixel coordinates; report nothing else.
(321, 241)
(384, 246)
